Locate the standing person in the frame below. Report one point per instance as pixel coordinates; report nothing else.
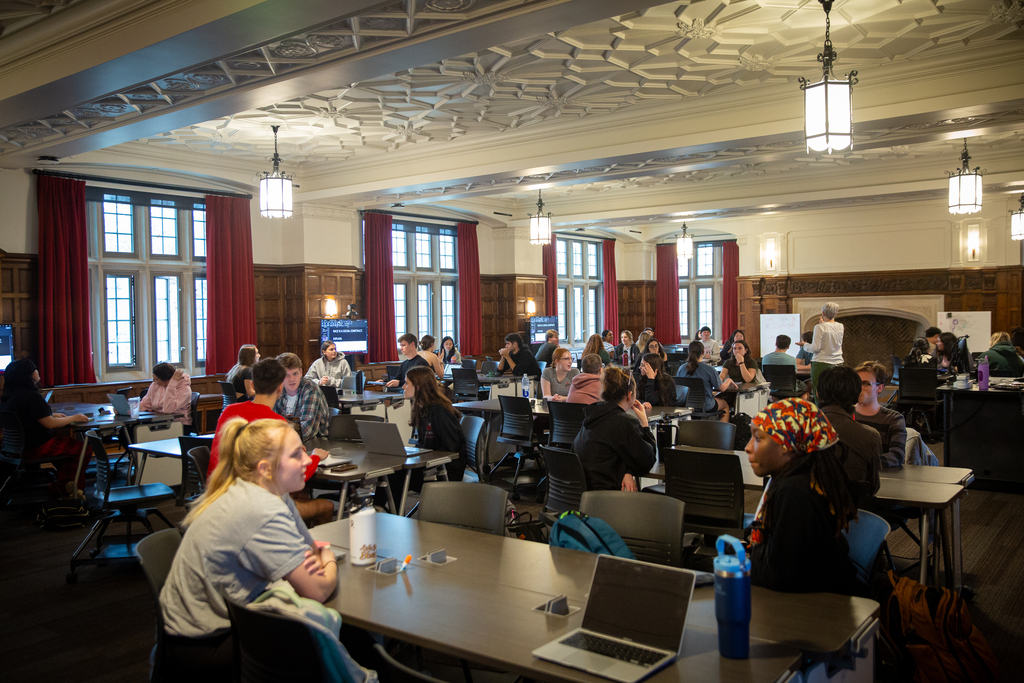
(609, 341)
(796, 540)
(740, 367)
(726, 351)
(449, 352)
(627, 352)
(826, 342)
(860, 447)
(330, 368)
(889, 424)
(548, 347)
(595, 345)
(586, 386)
(170, 392)
(945, 351)
(557, 378)
(240, 374)
(428, 353)
(614, 448)
(803, 356)
(407, 346)
(694, 368)
(38, 424)
(655, 387)
(302, 400)
(516, 358)
(711, 347)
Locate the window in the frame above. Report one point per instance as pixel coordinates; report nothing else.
(168, 322)
(684, 312)
(163, 225)
(199, 234)
(700, 291)
(705, 260)
(579, 294)
(400, 328)
(422, 250)
(399, 258)
(120, 299)
(705, 306)
(447, 251)
(447, 311)
(424, 305)
(118, 233)
(684, 267)
(200, 303)
(418, 310)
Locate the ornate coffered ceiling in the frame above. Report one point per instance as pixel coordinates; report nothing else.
(17, 14)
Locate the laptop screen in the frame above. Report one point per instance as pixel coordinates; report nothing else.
(641, 602)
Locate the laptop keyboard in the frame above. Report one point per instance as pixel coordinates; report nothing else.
(614, 649)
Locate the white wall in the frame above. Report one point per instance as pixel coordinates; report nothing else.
(19, 223)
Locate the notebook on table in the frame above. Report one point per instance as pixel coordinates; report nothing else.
(633, 624)
(384, 438)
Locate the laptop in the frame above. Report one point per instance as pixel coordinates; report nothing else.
(120, 404)
(633, 623)
(383, 437)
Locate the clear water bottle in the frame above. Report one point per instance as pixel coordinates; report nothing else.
(983, 374)
(362, 533)
(732, 599)
(526, 386)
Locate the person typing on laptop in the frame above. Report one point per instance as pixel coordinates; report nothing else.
(407, 345)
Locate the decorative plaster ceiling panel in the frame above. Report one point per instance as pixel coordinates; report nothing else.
(667, 53)
(16, 14)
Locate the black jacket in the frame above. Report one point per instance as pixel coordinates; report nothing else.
(526, 364)
(862, 456)
(439, 430)
(611, 444)
(634, 354)
(648, 389)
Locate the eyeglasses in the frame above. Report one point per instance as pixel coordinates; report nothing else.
(870, 384)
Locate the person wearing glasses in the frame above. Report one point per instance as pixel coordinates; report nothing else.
(889, 424)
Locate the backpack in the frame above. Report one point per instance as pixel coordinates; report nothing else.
(577, 531)
(742, 422)
(933, 626)
(62, 514)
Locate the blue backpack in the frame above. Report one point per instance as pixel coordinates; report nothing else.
(577, 531)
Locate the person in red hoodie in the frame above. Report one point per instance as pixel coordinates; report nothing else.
(586, 386)
(170, 392)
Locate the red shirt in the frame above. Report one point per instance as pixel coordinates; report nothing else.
(250, 412)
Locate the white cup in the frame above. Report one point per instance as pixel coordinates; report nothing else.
(133, 407)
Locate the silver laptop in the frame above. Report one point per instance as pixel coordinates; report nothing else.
(383, 437)
(633, 624)
(120, 404)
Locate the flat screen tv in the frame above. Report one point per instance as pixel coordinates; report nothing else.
(6, 346)
(349, 336)
(539, 326)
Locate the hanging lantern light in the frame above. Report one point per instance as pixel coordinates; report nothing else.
(1017, 222)
(540, 224)
(275, 188)
(965, 186)
(828, 104)
(684, 245)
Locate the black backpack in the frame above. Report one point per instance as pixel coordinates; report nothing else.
(742, 422)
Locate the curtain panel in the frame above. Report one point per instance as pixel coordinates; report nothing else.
(547, 255)
(471, 332)
(666, 320)
(65, 335)
(730, 288)
(230, 283)
(380, 288)
(611, 288)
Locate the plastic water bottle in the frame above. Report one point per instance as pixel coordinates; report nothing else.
(983, 374)
(732, 599)
(526, 386)
(362, 534)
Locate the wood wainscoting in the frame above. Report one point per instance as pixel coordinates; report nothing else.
(637, 305)
(503, 306)
(19, 300)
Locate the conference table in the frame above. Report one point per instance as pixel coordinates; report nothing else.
(540, 407)
(480, 607)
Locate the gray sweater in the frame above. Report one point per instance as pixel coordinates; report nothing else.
(335, 370)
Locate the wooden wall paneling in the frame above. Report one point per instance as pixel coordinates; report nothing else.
(498, 308)
(341, 283)
(528, 288)
(19, 300)
(637, 305)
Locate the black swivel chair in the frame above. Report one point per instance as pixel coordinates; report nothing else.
(917, 395)
(516, 430)
(193, 411)
(124, 391)
(228, 390)
(652, 526)
(488, 366)
(695, 398)
(783, 381)
(567, 482)
(479, 507)
(469, 364)
(710, 482)
(156, 554)
(476, 450)
(397, 672)
(465, 385)
(259, 655)
(566, 423)
(343, 427)
(11, 455)
(706, 434)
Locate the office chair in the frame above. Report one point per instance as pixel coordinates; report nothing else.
(480, 507)
(917, 395)
(783, 381)
(567, 482)
(566, 423)
(710, 482)
(695, 398)
(156, 554)
(193, 411)
(476, 448)
(228, 391)
(516, 430)
(651, 526)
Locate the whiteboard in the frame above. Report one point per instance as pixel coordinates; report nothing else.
(774, 324)
(977, 324)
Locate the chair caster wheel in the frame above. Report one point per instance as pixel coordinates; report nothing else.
(71, 578)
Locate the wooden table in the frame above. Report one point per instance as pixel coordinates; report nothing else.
(984, 432)
(479, 607)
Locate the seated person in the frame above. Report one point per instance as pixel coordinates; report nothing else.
(38, 424)
(726, 351)
(919, 356)
(586, 386)
(1017, 339)
(595, 345)
(428, 353)
(889, 424)
(860, 447)
(945, 351)
(546, 349)
(330, 368)
(780, 357)
(655, 387)
(302, 400)
(739, 367)
(556, 379)
(609, 342)
(613, 447)
(449, 352)
(655, 347)
(516, 358)
(412, 359)
(803, 356)
(1003, 360)
(240, 374)
(932, 336)
(170, 392)
(711, 347)
(796, 541)
(694, 368)
(627, 352)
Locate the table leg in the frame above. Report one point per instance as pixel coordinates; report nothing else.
(342, 499)
(405, 493)
(923, 570)
(78, 471)
(939, 536)
(958, 560)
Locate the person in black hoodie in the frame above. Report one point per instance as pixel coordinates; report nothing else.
(613, 446)
(655, 387)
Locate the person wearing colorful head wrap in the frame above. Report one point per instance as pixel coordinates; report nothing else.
(797, 545)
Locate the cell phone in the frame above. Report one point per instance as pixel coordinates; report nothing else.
(343, 467)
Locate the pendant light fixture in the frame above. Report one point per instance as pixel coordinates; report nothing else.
(1017, 222)
(540, 224)
(828, 104)
(684, 245)
(965, 186)
(275, 188)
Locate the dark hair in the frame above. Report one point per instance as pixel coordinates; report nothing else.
(289, 361)
(839, 385)
(591, 364)
(829, 478)
(783, 341)
(594, 345)
(246, 359)
(616, 384)
(1017, 339)
(426, 394)
(163, 371)
(704, 328)
(445, 339)
(666, 386)
(732, 337)
(18, 376)
(446, 356)
(932, 331)
(807, 337)
(745, 347)
(514, 338)
(661, 349)
(605, 333)
(267, 376)
(408, 339)
(426, 342)
(696, 349)
(326, 345)
(881, 374)
(917, 352)
(949, 346)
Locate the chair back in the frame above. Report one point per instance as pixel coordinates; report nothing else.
(566, 422)
(918, 384)
(396, 672)
(465, 384)
(781, 377)
(472, 429)
(480, 507)
(710, 482)
(262, 656)
(706, 434)
(865, 537)
(198, 466)
(344, 428)
(124, 391)
(651, 525)
(681, 393)
(517, 421)
(228, 390)
(695, 392)
(488, 366)
(193, 412)
(897, 365)
(105, 471)
(156, 553)
(566, 480)
(469, 364)
(330, 394)
(14, 436)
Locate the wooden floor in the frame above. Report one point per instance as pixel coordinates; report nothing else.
(101, 629)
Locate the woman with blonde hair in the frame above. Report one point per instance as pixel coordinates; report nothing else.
(240, 375)
(596, 345)
(641, 343)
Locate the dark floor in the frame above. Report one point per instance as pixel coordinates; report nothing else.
(101, 629)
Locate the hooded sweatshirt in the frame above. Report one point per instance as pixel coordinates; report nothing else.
(611, 444)
(1003, 360)
(585, 388)
(336, 370)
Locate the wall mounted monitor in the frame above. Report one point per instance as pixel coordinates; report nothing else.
(349, 336)
(6, 346)
(539, 325)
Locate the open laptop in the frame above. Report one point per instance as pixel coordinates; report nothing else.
(383, 437)
(633, 624)
(120, 404)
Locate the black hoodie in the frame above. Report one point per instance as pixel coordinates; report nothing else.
(611, 444)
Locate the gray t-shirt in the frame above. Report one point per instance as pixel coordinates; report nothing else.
(246, 539)
(560, 388)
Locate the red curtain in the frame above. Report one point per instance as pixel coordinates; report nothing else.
(666, 321)
(380, 287)
(730, 290)
(471, 331)
(65, 338)
(551, 273)
(230, 284)
(611, 289)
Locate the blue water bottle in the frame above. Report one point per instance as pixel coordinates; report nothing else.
(732, 599)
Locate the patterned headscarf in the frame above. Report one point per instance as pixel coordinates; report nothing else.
(796, 425)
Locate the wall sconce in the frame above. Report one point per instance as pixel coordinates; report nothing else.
(531, 308)
(771, 254)
(330, 308)
(973, 243)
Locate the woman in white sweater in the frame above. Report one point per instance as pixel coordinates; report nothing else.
(826, 344)
(330, 368)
